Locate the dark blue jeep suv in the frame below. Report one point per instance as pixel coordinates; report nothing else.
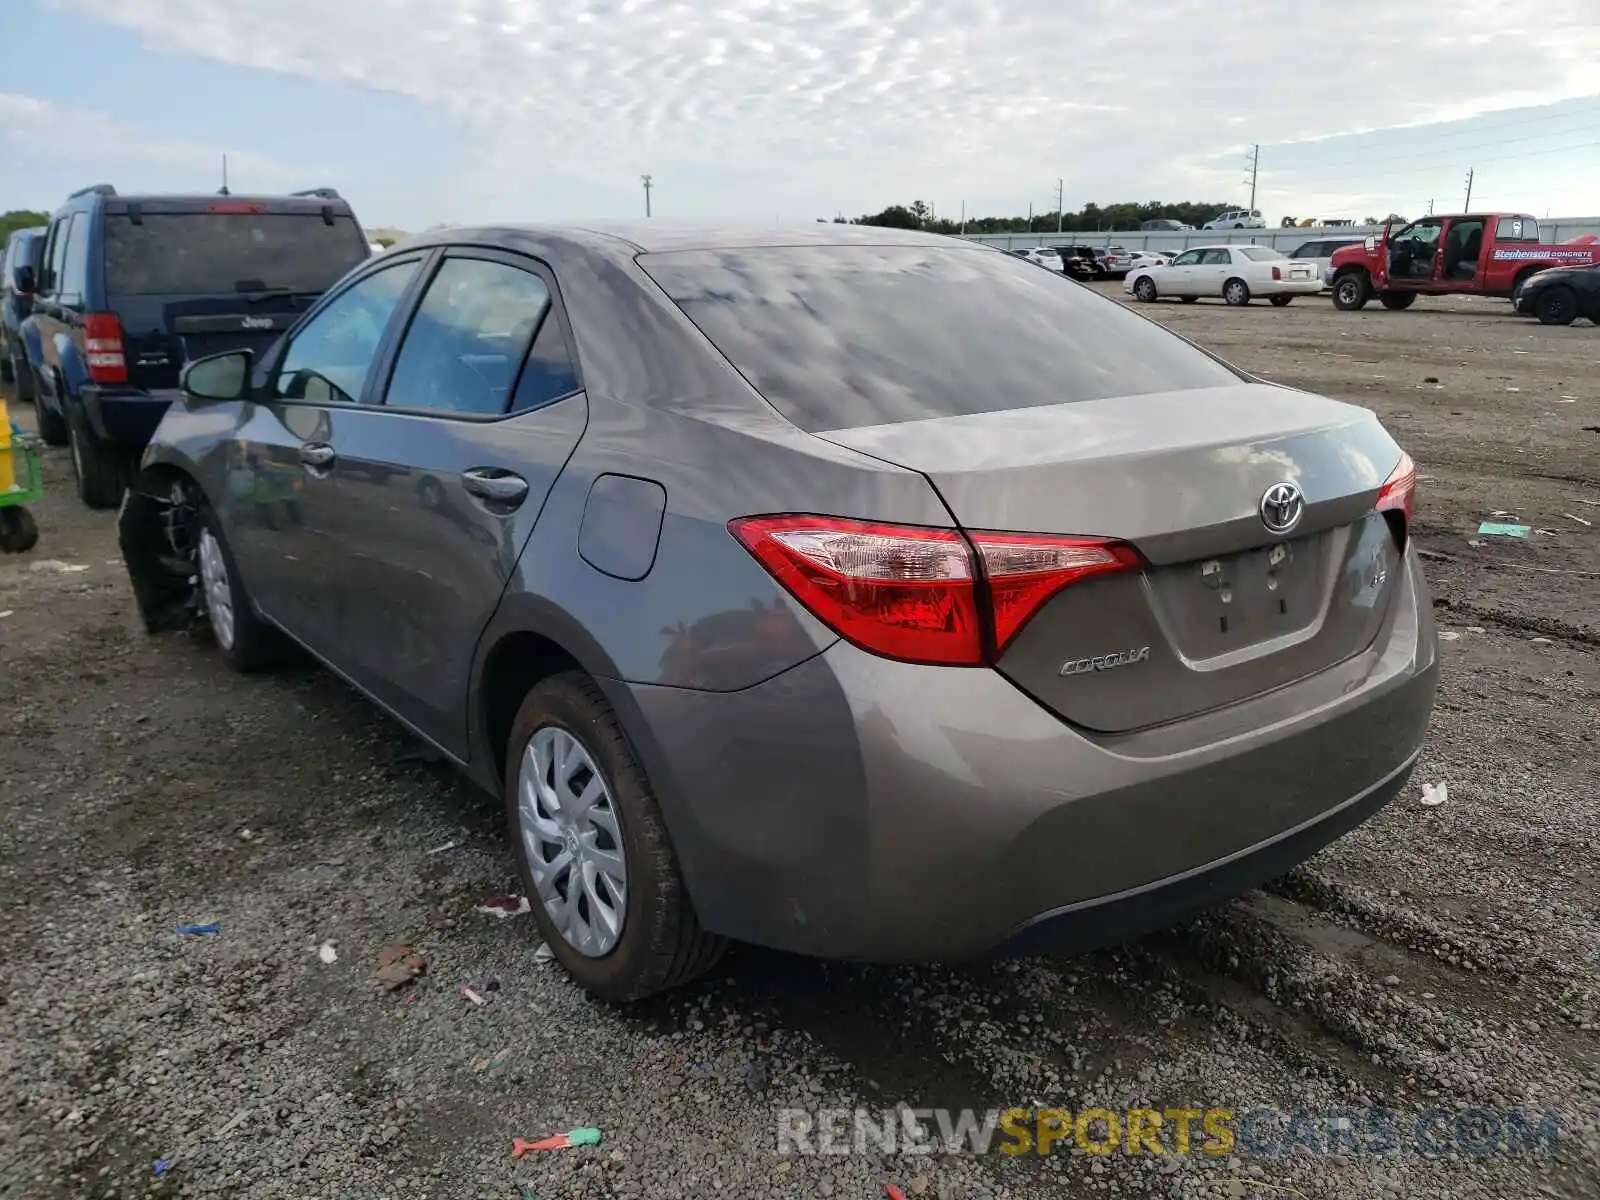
(22, 249)
(131, 287)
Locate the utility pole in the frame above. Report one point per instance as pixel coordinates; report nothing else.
(1061, 201)
(646, 181)
(1255, 167)
(1470, 173)
(224, 191)
(1430, 206)
(963, 216)
(1030, 216)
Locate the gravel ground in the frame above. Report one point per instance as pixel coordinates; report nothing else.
(1435, 958)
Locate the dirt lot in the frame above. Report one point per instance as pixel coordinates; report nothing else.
(1439, 957)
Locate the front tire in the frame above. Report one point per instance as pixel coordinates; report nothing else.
(1236, 293)
(1397, 301)
(1351, 291)
(245, 641)
(1144, 289)
(593, 851)
(1556, 306)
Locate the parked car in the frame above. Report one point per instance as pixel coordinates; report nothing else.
(1114, 262)
(718, 585)
(1148, 258)
(1321, 251)
(1237, 218)
(22, 250)
(130, 287)
(1164, 225)
(1560, 295)
(1082, 262)
(1485, 254)
(1238, 274)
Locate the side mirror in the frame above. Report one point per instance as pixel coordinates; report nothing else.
(24, 280)
(219, 377)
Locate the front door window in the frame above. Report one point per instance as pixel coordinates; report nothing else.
(1411, 250)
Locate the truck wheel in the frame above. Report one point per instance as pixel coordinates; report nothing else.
(100, 468)
(593, 851)
(1236, 292)
(52, 425)
(1397, 301)
(1556, 306)
(1351, 291)
(1144, 289)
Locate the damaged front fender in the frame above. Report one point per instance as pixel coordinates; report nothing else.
(158, 531)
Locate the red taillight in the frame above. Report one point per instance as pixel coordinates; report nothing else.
(917, 594)
(102, 345)
(235, 207)
(1277, 272)
(1396, 494)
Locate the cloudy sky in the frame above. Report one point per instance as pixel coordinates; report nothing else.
(425, 111)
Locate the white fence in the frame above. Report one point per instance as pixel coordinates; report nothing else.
(1556, 229)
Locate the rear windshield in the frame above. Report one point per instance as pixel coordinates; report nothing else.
(839, 337)
(207, 254)
(1260, 253)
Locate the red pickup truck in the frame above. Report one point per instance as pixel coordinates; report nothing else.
(1485, 254)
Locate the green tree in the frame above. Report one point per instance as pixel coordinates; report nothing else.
(20, 218)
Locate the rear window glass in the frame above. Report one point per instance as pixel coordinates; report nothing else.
(206, 254)
(840, 337)
(1260, 253)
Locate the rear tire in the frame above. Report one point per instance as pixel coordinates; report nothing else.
(1144, 289)
(1556, 306)
(19, 533)
(1397, 301)
(1351, 291)
(659, 944)
(1236, 293)
(101, 468)
(246, 642)
(1281, 301)
(1190, 299)
(8, 369)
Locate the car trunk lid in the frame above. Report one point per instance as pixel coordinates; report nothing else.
(1224, 608)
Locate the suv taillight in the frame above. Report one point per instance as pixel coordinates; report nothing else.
(1395, 497)
(102, 345)
(923, 595)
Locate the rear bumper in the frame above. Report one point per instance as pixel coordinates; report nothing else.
(857, 808)
(1292, 287)
(124, 415)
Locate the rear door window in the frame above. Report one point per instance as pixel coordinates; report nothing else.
(214, 254)
(844, 336)
(75, 263)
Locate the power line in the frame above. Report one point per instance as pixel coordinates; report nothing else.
(1449, 166)
(1470, 134)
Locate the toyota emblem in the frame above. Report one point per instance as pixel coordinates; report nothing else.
(1282, 506)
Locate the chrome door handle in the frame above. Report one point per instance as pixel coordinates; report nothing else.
(495, 485)
(316, 454)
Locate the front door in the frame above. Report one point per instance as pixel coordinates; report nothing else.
(441, 483)
(280, 491)
(48, 315)
(1179, 278)
(1414, 254)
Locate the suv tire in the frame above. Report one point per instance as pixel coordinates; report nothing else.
(101, 468)
(660, 944)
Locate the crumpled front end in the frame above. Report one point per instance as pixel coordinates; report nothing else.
(158, 532)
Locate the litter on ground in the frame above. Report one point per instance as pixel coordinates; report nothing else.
(327, 953)
(191, 930)
(504, 906)
(398, 966)
(468, 994)
(584, 1135)
(544, 954)
(1434, 794)
(443, 848)
(1579, 520)
(1496, 529)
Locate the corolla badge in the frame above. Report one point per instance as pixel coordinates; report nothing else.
(1105, 662)
(1282, 506)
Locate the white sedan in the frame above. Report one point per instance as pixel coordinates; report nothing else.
(1236, 273)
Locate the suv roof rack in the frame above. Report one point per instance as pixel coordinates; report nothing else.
(321, 193)
(99, 189)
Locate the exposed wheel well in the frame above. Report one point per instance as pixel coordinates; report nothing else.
(517, 662)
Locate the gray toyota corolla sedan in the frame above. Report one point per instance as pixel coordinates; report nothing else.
(859, 593)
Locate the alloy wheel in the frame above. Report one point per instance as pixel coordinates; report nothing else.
(568, 824)
(219, 595)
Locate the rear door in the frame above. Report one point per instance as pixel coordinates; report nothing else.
(192, 278)
(439, 486)
(1214, 269)
(48, 315)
